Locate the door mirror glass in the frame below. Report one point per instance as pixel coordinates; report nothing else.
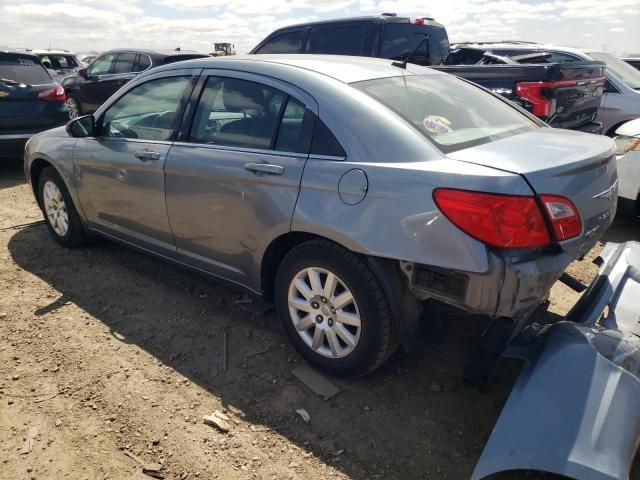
(81, 127)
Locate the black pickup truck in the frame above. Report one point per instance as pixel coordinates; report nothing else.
(562, 95)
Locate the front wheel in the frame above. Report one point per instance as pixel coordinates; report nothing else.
(333, 309)
(62, 218)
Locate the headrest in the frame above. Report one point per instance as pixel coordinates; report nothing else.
(241, 95)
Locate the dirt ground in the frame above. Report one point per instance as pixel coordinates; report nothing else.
(106, 351)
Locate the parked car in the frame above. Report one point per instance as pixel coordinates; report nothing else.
(30, 101)
(633, 61)
(87, 90)
(59, 63)
(621, 100)
(463, 181)
(561, 95)
(628, 156)
(86, 59)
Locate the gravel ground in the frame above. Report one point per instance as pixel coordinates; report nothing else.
(105, 352)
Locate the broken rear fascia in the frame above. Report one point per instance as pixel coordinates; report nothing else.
(575, 408)
(515, 284)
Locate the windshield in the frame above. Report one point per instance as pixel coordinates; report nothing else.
(450, 112)
(620, 69)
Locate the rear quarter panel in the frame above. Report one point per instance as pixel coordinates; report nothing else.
(398, 218)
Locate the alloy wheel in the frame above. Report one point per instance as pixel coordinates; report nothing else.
(55, 208)
(72, 108)
(324, 312)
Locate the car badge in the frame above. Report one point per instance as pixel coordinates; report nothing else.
(609, 192)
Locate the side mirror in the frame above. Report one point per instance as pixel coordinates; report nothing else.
(82, 126)
(83, 73)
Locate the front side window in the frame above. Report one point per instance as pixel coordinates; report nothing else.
(337, 40)
(147, 112)
(124, 63)
(290, 42)
(448, 111)
(102, 65)
(238, 113)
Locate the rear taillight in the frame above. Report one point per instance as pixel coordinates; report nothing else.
(55, 94)
(537, 93)
(563, 216)
(509, 221)
(497, 220)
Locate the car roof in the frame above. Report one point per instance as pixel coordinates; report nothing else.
(156, 52)
(15, 51)
(384, 18)
(525, 46)
(343, 68)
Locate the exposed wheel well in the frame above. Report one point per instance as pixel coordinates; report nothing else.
(37, 166)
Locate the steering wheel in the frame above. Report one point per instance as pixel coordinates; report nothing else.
(161, 120)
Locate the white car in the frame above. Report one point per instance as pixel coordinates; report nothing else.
(628, 156)
(59, 63)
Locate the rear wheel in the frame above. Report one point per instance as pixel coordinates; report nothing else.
(73, 107)
(333, 309)
(61, 216)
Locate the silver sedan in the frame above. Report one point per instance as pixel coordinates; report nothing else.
(346, 191)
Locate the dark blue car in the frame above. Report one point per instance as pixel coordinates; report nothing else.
(30, 101)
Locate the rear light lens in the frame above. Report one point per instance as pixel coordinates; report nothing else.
(498, 220)
(417, 21)
(563, 216)
(536, 93)
(54, 94)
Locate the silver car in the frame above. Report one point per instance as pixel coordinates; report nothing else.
(347, 191)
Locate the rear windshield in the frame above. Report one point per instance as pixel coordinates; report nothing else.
(450, 112)
(23, 70)
(399, 40)
(620, 69)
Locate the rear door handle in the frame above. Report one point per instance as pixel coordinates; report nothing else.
(147, 155)
(264, 168)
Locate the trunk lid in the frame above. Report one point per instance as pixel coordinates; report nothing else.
(574, 165)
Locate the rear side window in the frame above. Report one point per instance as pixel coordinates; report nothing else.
(142, 63)
(124, 63)
(450, 112)
(22, 69)
(237, 113)
(400, 39)
(337, 40)
(58, 62)
(289, 42)
(324, 143)
(292, 134)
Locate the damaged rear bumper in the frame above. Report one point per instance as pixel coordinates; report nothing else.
(575, 408)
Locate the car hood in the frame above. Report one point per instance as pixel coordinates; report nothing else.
(575, 165)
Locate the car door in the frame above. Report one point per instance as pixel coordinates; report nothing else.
(120, 171)
(102, 81)
(233, 178)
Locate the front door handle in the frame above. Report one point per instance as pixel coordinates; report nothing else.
(147, 155)
(264, 168)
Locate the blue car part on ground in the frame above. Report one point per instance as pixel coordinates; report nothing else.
(575, 408)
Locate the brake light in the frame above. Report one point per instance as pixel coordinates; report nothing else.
(499, 220)
(563, 216)
(417, 21)
(55, 94)
(535, 92)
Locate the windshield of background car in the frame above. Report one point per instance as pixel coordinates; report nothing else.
(25, 70)
(620, 69)
(399, 40)
(450, 112)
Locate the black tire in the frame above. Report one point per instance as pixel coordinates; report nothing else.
(377, 339)
(76, 236)
(78, 107)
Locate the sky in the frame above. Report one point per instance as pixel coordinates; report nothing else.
(89, 25)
